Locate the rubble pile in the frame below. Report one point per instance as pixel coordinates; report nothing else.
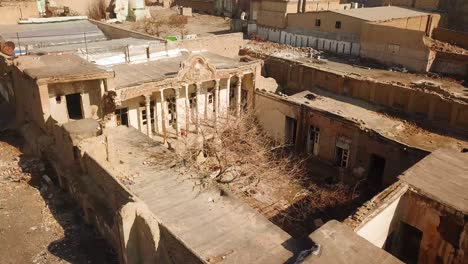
(281, 50)
(445, 47)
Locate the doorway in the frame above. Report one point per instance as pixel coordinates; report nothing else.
(290, 130)
(313, 140)
(376, 171)
(409, 241)
(74, 106)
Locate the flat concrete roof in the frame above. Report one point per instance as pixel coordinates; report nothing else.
(60, 68)
(367, 116)
(340, 245)
(97, 46)
(51, 34)
(136, 74)
(442, 176)
(210, 224)
(381, 13)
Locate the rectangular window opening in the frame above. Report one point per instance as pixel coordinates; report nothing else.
(338, 24)
(317, 22)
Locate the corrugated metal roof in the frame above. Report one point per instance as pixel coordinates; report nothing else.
(51, 34)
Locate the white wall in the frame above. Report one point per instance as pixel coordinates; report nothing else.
(377, 229)
(298, 40)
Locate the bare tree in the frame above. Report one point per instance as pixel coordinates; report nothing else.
(97, 10)
(179, 23)
(242, 157)
(154, 26)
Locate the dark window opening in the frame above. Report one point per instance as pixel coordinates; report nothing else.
(406, 248)
(232, 98)
(193, 100)
(376, 172)
(291, 128)
(317, 22)
(338, 24)
(122, 116)
(342, 157)
(58, 99)
(171, 108)
(313, 140)
(244, 96)
(74, 106)
(144, 116)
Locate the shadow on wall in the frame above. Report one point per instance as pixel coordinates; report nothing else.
(81, 243)
(423, 231)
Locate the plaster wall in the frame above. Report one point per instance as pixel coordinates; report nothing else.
(350, 27)
(313, 39)
(12, 12)
(90, 92)
(301, 77)
(443, 229)
(379, 43)
(376, 230)
(227, 45)
(272, 111)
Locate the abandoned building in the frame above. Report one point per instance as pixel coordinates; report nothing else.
(106, 108)
(421, 218)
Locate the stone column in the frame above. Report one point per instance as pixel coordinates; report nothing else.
(197, 110)
(187, 108)
(163, 114)
(216, 101)
(156, 119)
(239, 95)
(148, 115)
(177, 110)
(228, 94)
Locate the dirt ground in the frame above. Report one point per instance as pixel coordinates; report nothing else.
(39, 223)
(199, 24)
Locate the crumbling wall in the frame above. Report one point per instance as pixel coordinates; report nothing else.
(395, 46)
(114, 32)
(227, 45)
(430, 103)
(443, 228)
(457, 38)
(271, 111)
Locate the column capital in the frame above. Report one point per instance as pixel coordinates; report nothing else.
(177, 92)
(217, 81)
(147, 98)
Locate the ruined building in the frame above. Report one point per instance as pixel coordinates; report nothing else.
(100, 104)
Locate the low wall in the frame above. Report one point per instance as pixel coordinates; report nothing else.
(114, 32)
(298, 40)
(12, 12)
(458, 38)
(227, 45)
(439, 107)
(126, 223)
